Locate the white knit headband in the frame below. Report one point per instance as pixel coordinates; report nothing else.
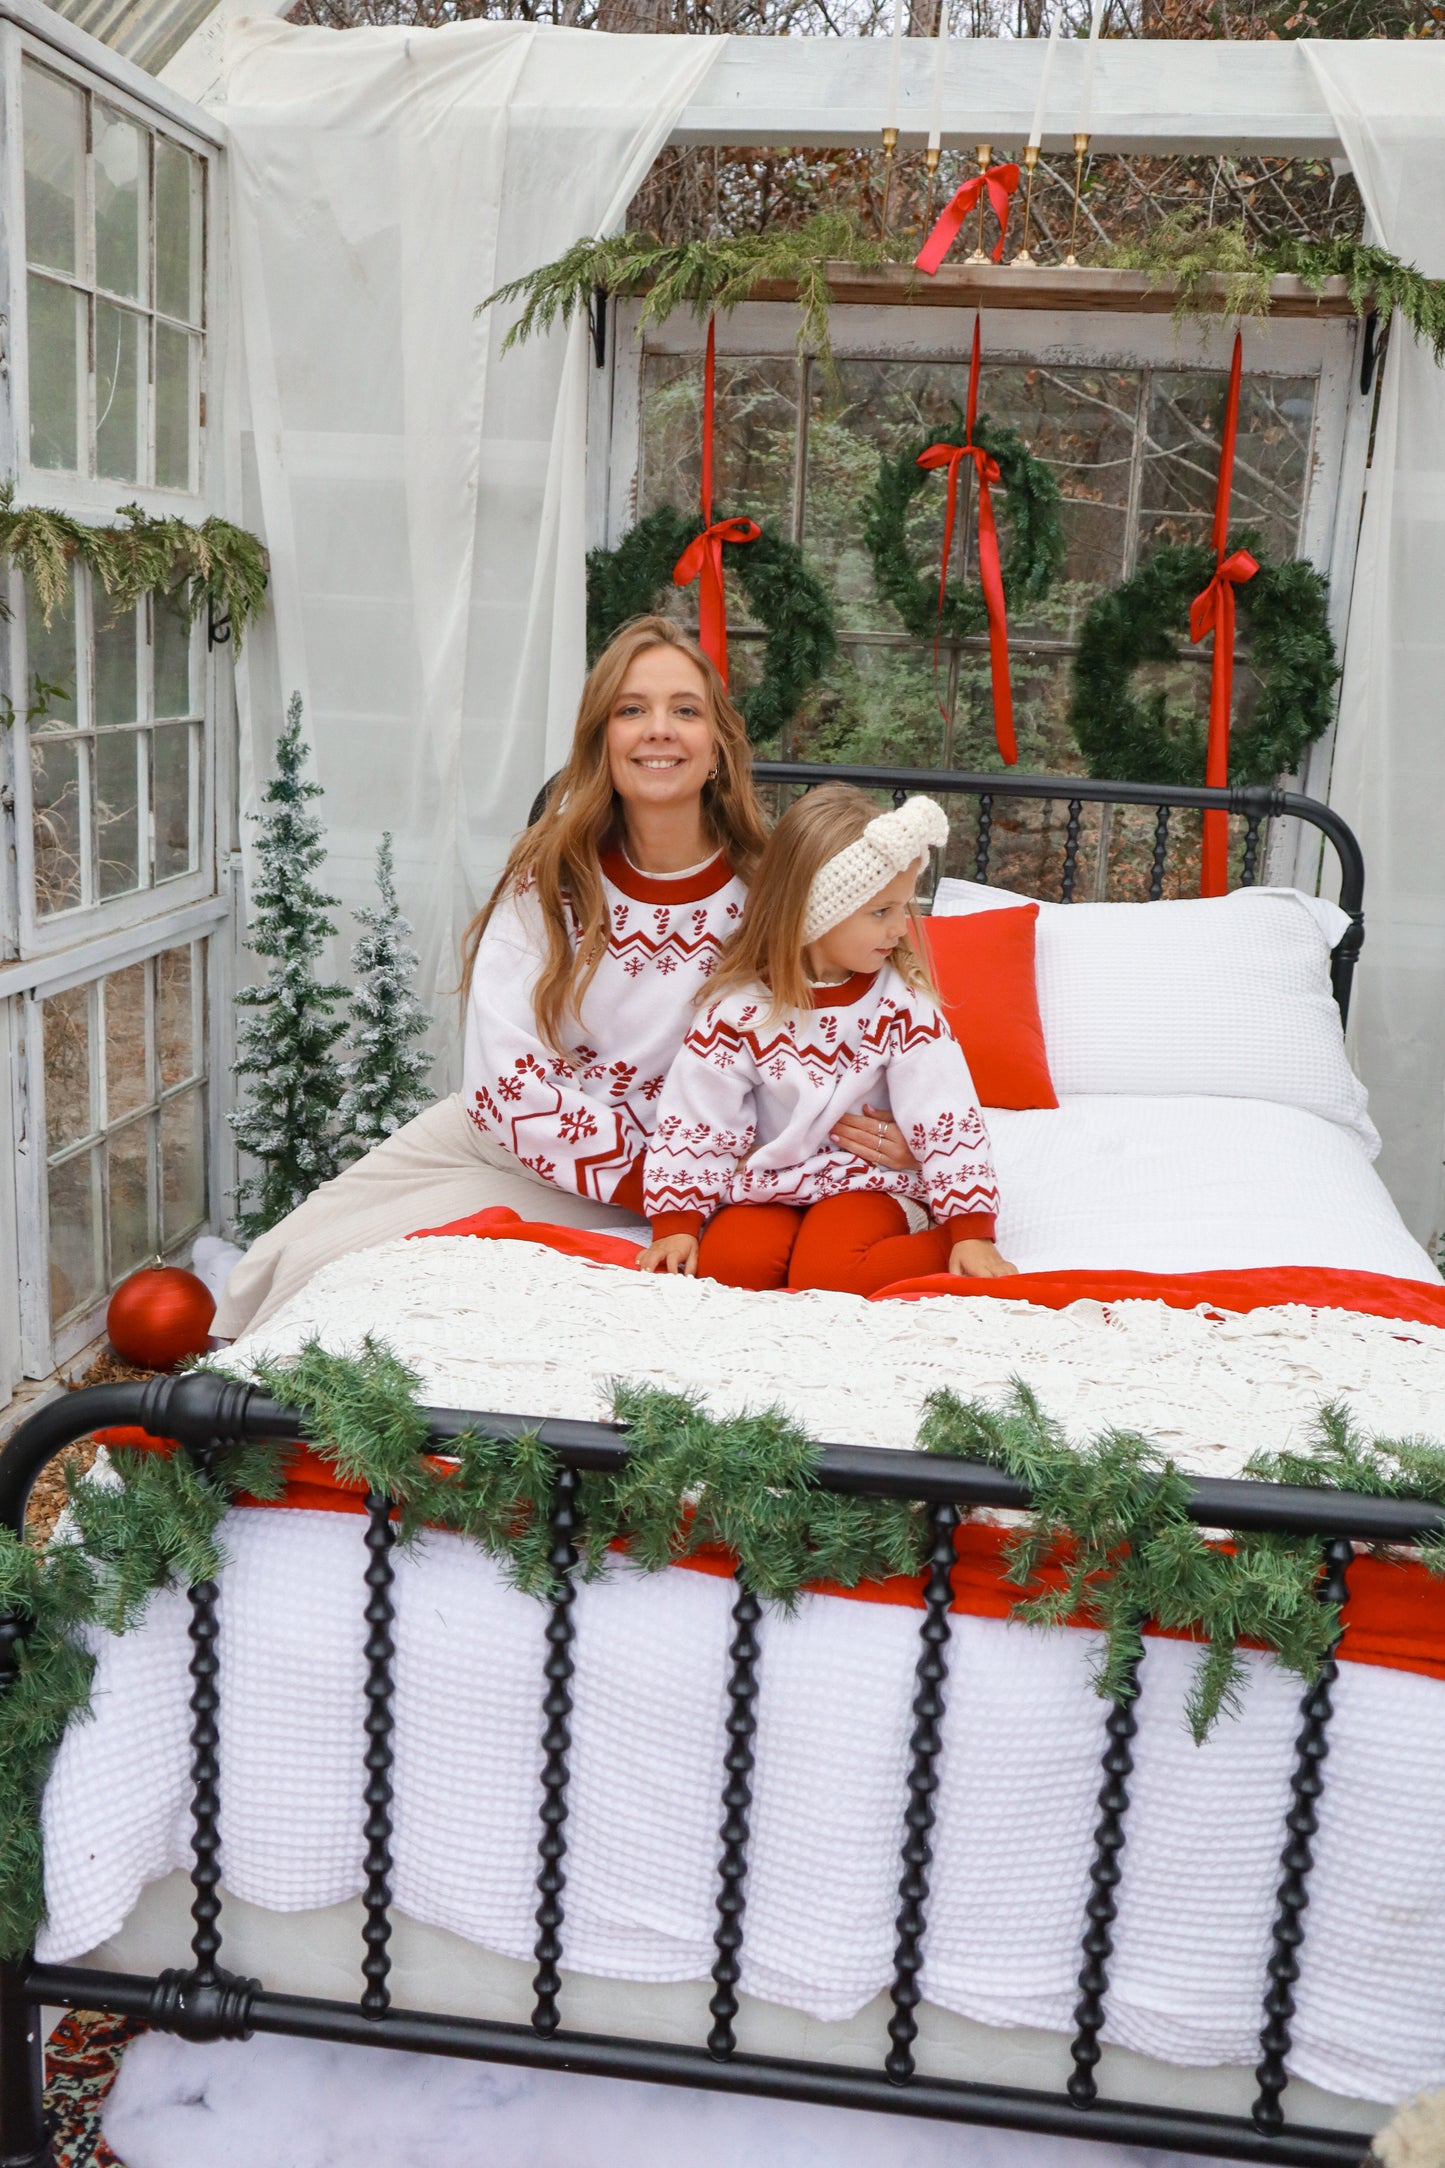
(887, 847)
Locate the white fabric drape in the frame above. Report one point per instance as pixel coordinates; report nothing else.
(1388, 102)
(422, 494)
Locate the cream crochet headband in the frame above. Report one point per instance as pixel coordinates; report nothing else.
(887, 847)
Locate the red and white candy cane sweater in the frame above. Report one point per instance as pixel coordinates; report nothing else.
(583, 1123)
(749, 1105)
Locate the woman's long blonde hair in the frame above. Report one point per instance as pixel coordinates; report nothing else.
(767, 949)
(559, 854)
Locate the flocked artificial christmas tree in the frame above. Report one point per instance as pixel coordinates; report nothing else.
(285, 1119)
(386, 1076)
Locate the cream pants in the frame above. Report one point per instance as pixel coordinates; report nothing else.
(438, 1168)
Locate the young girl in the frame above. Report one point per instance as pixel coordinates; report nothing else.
(820, 1004)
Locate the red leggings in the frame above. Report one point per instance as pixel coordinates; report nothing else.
(854, 1243)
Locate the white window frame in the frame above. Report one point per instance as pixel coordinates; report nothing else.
(42, 956)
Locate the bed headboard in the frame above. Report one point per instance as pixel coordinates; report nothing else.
(1253, 803)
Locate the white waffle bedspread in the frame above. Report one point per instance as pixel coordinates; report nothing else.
(512, 1326)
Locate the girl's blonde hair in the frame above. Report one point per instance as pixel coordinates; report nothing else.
(559, 854)
(767, 949)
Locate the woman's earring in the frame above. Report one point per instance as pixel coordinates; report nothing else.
(712, 775)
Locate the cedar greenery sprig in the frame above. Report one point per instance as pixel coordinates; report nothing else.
(703, 276)
(215, 564)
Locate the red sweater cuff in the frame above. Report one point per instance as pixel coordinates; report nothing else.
(676, 1223)
(628, 1193)
(972, 1227)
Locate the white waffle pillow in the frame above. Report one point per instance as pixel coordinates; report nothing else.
(1227, 996)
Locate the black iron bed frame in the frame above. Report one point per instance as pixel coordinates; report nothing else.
(204, 2001)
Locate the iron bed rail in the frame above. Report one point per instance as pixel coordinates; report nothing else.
(203, 2001)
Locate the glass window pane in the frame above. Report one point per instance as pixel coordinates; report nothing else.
(120, 381)
(120, 163)
(178, 1043)
(50, 659)
(54, 163)
(117, 695)
(56, 341)
(178, 233)
(65, 1027)
(171, 799)
(117, 813)
(171, 633)
(176, 405)
(183, 1166)
(56, 823)
(1181, 457)
(77, 1270)
(132, 1230)
(878, 706)
(127, 1080)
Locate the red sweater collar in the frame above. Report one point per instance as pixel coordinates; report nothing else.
(845, 995)
(658, 888)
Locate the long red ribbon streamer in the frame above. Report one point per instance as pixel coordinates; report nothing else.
(990, 565)
(1000, 182)
(702, 559)
(1213, 611)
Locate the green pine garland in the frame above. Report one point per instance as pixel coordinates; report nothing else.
(1113, 1511)
(1283, 611)
(793, 607)
(216, 564)
(1034, 556)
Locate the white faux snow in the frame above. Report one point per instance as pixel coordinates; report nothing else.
(269, 2103)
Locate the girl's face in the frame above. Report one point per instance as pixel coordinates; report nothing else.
(865, 941)
(660, 744)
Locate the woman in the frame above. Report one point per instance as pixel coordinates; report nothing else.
(579, 975)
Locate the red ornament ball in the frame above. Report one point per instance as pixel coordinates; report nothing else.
(159, 1316)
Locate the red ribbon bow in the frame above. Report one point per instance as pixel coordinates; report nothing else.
(702, 559)
(990, 565)
(1213, 611)
(1000, 182)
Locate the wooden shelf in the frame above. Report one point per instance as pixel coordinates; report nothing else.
(1011, 286)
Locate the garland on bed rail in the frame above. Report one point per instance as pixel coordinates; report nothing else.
(1109, 1523)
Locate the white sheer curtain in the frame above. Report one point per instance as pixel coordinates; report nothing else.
(1388, 102)
(421, 494)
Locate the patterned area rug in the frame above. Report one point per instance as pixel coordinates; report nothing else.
(81, 2061)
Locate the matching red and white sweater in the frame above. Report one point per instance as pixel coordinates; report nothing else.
(749, 1105)
(583, 1123)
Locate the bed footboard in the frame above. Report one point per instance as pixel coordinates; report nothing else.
(202, 2000)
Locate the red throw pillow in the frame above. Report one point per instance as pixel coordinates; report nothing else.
(983, 967)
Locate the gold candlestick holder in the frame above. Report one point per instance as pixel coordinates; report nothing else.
(890, 146)
(984, 154)
(1031, 159)
(930, 159)
(1081, 152)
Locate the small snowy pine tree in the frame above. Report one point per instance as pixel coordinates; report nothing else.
(286, 1036)
(386, 1077)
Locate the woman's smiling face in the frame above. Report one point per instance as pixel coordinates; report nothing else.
(660, 744)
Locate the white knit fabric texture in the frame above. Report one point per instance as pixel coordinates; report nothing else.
(887, 847)
(1227, 995)
(510, 1325)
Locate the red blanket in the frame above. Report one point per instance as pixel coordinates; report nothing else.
(1396, 1612)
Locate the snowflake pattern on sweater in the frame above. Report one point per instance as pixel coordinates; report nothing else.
(582, 1121)
(750, 1103)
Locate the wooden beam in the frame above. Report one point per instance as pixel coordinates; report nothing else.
(1244, 99)
(1006, 286)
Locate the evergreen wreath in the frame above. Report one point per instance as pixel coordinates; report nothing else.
(1035, 553)
(1110, 1512)
(1284, 612)
(792, 607)
(218, 565)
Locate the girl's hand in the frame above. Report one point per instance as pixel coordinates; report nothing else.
(978, 1261)
(674, 1253)
(873, 1136)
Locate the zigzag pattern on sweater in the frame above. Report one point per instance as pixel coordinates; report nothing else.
(826, 1053)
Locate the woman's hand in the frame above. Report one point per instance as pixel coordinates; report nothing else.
(978, 1261)
(674, 1253)
(874, 1136)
